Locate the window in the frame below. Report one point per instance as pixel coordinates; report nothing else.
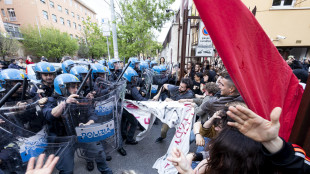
(74, 25)
(83, 27)
(43, 1)
(75, 5)
(279, 3)
(78, 17)
(81, 8)
(72, 14)
(68, 23)
(77, 37)
(12, 14)
(62, 21)
(67, 11)
(3, 12)
(45, 14)
(54, 17)
(52, 4)
(8, 2)
(82, 19)
(70, 2)
(71, 36)
(59, 8)
(79, 27)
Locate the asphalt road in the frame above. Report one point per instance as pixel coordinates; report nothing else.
(140, 158)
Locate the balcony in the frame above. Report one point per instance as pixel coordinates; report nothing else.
(12, 19)
(16, 35)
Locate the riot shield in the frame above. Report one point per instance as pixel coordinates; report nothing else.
(148, 79)
(94, 122)
(23, 134)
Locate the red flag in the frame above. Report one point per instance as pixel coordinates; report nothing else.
(262, 77)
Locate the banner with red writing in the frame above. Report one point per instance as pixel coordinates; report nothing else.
(175, 115)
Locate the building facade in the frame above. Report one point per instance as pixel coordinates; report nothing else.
(65, 15)
(287, 24)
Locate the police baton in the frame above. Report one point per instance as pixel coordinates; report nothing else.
(84, 81)
(90, 81)
(9, 94)
(120, 77)
(25, 84)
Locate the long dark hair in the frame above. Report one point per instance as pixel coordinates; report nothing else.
(233, 153)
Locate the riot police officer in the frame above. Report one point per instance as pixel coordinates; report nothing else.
(67, 65)
(103, 62)
(153, 63)
(114, 68)
(25, 118)
(132, 93)
(46, 73)
(66, 85)
(135, 64)
(100, 75)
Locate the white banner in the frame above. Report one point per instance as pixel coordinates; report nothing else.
(174, 114)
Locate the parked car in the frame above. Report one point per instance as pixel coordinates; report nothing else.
(32, 75)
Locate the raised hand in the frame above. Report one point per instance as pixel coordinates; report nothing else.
(253, 125)
(39, 168)
(180, 162)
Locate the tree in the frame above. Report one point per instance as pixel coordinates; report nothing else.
(8, 45)
(95, 41)
(49, 42)
(83, 49)
(140, 19)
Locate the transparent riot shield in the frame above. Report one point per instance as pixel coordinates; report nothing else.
(23, 134)
(148, 79)
(94, 122)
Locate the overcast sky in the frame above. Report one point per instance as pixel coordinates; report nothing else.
(102, 8)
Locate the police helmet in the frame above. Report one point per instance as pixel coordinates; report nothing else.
(67, 65)
(61, 83)
(133, 61)
(143, 66)
(153, 63)
(111, 63)
(79, 71)
(163, 68)
(43, 67)
(157, 69)
(130, 74)
(99, 69)
(103, 62)
(11, 75)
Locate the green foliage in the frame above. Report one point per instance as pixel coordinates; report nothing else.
(52, 43)
(83, 50)
(8, 46)
(141, 18)
(95, 41)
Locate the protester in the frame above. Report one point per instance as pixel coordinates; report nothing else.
(190, 72)
(21, 63)
(176, 93)
(197, 83)
(14, 65)
(302, 76)
(206, 66)
(29, 60)
(162, 61)
(43, 59)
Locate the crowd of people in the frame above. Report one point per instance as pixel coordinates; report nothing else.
(230, 138)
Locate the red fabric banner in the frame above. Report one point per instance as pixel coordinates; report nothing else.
(262, 77)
